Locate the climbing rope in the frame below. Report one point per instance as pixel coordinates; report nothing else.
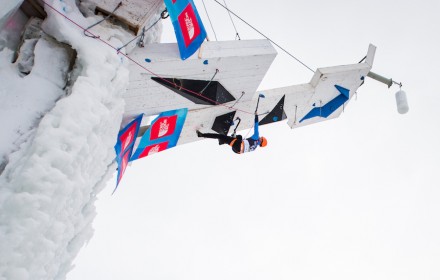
(137, 63)
(140, 43)
(93, 25)
(236, 101)
(249, 131)
(296, 109)
(233, 24)
(210, 22)
(259, 32)
(207, 85)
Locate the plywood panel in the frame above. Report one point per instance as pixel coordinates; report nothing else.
(241, 67)
(134, 13)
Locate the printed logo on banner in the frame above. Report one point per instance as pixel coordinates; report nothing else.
(124, 145)
(189, 25)
(153, 149)
(127, 137)
(163, 133)
(123, 165)
(163, 127)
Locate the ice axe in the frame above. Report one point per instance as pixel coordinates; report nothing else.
(235, 130)
(258, 102)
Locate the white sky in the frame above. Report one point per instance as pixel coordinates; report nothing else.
(352, 198)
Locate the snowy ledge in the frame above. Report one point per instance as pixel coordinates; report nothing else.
(61, 123)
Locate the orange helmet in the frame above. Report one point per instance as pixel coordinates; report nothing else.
(263, 141)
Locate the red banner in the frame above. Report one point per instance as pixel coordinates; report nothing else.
(163, 127)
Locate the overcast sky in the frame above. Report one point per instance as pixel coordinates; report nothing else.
(352, 198)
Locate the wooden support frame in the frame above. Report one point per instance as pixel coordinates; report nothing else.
(135, 14)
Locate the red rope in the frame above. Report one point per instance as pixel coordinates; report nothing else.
(137, 63)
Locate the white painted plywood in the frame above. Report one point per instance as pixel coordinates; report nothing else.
(241, 67)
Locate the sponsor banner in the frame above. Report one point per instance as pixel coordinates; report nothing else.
(163, 127)
(153, 149)
(122, 165)
(124, 145)
(163, 133)
(189, 29)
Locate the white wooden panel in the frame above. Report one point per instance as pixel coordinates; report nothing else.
(298, 101)
(254, 57)
(241, 64)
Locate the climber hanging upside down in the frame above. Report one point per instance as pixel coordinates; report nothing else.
(238, 144)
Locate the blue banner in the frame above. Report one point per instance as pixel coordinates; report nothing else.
(189, 29)
(163, 133)
(124, 145)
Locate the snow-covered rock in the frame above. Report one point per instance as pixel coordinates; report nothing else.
(59, 141)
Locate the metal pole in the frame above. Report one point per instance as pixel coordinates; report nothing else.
(379, 78)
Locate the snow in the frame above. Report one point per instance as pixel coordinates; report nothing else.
(57, 142)
(23, 105)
